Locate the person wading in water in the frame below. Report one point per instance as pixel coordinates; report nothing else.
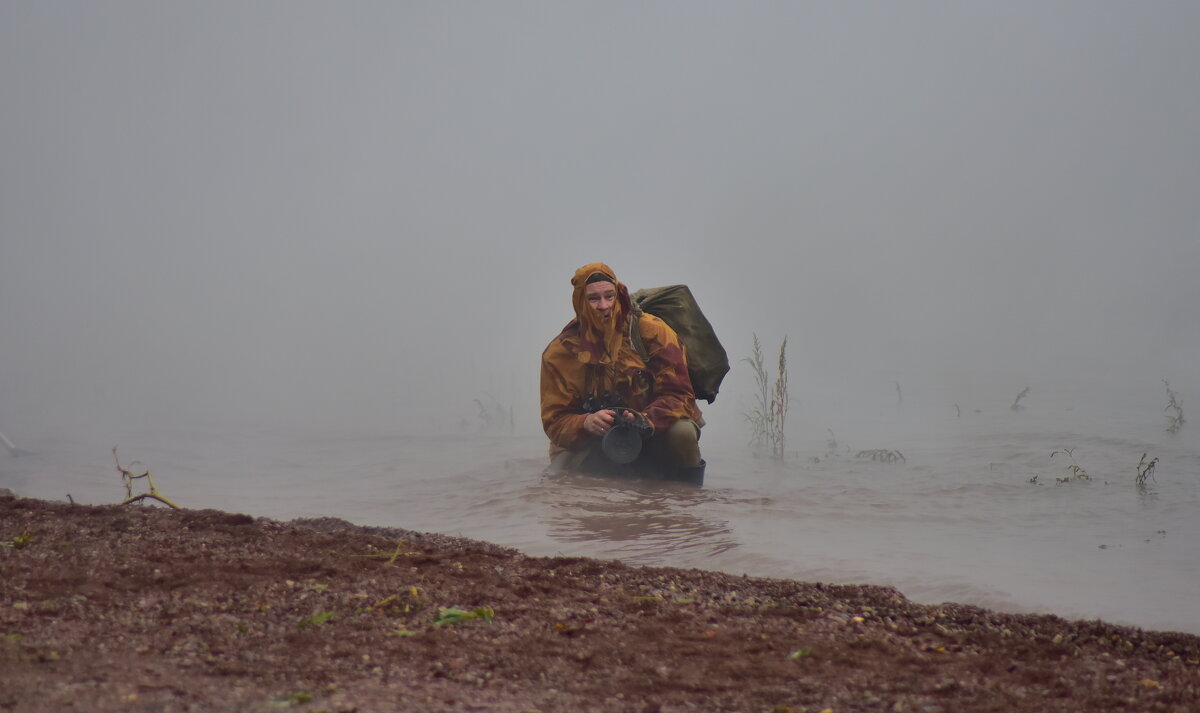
(594, 381)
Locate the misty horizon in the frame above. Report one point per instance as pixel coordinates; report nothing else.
(319, 216)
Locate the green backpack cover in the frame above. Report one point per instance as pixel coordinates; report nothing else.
(674, 304)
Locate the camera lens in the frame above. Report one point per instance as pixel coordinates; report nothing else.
(622, 444)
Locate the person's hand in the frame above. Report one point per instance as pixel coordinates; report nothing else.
(599, 423)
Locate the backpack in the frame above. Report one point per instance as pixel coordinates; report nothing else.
(706, 358)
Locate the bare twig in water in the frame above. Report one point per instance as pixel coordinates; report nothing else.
(128, 476)
(1016, 404)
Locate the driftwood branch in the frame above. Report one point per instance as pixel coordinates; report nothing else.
(128, 476)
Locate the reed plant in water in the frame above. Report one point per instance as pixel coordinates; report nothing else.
(759, 416)
(769, 415)
(1145, 471)
(780, 404)
(494, 416)
(1174, 410)
(1016, 404)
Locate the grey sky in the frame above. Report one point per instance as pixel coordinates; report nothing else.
(344, 213)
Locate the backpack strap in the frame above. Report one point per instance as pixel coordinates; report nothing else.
(635, 334)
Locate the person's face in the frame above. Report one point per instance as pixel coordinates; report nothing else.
(601, 296)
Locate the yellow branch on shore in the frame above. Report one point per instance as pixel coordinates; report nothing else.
(128, 476)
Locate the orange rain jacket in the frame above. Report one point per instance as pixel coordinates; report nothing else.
(661, 390)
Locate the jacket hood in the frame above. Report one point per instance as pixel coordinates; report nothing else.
(600, 339)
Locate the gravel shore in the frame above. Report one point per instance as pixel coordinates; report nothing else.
(133, 608)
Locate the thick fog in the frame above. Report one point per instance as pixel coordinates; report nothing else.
(365, 215)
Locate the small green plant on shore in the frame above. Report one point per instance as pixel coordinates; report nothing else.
(294, 699)
(1076, 470)
(17, 542)
(456, 615)
(769, 415)
(1145, 470)
(1016, 404)
(1174, 410)
(402, 550)
(316, 619)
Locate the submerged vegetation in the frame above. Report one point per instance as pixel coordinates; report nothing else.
(1016, 404)
(769, 415)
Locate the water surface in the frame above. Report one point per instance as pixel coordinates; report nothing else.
(957, 520)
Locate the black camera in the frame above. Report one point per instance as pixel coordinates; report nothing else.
(623, 442)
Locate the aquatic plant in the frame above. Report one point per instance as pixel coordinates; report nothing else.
(883, 455)
(1016, 404)
(1145, 470)
(1075, 469)
(1174, 410)
(769, 415)
(831, 444)
(128, 476)
(780, 404)
(494, 415)
(759, 416)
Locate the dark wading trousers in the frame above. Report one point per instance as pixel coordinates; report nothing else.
(671, 455)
